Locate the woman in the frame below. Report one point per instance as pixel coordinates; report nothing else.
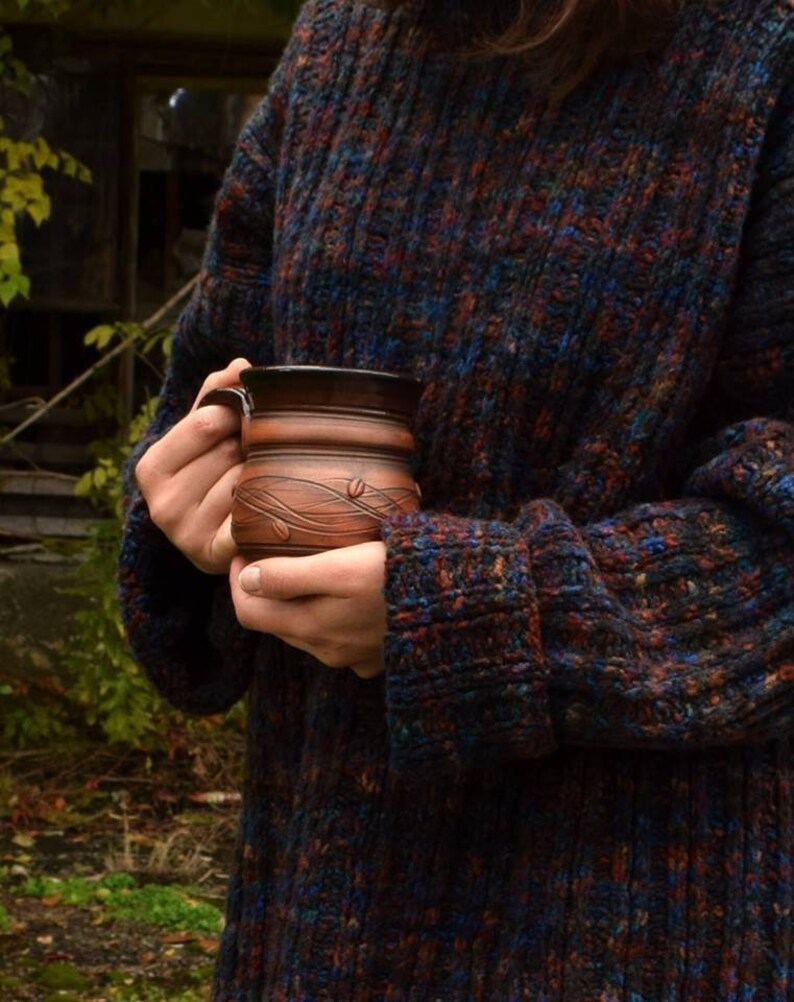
(536, 743)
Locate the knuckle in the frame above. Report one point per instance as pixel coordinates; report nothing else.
(159, 511)
(143, 471)
(209, 426)
(204, 424)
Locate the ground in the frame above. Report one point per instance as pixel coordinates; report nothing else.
(112, 874)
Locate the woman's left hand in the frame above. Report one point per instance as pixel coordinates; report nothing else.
(329, 604)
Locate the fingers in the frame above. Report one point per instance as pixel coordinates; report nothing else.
(291, 621)
(187, 478)
(195, 435)
(338, 573)
(337, 630)
(230, 376)
(287, 578)
(196, 497)
(201, 526)
(216, 496)
(222, 549)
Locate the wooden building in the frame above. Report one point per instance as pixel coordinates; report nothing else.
(150, 95)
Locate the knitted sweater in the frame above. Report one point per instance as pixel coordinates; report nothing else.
(573, 782)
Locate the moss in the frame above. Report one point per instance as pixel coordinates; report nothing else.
(120, 897)
(63, 977)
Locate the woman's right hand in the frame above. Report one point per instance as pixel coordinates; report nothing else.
(188, 476)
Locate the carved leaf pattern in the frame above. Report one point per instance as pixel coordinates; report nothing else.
(338, 507)
(281, 529)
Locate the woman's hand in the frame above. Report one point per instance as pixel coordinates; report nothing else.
(187, 478)
(330, 604)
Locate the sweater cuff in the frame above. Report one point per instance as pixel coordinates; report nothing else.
(179, 622)
(466, 681)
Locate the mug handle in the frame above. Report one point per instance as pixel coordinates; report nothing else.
(235, 397)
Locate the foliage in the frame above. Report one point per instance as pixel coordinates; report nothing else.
(23, 163)
(5, 920)
(109, 684)
(100, 687)
(119, 897)
(36, 710)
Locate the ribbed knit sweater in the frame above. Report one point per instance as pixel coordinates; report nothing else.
(573, 782)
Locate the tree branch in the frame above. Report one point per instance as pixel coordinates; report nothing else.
(121, 347)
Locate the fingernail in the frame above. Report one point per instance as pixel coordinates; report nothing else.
(250, 579)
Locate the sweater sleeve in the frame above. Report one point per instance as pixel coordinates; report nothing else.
(179, 621)
(668, 626)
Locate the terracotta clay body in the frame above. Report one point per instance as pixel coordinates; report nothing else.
(327, 456)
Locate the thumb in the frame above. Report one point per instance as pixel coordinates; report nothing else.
(280, 578)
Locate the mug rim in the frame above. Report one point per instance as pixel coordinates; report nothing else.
(330, 370)
(307, 386)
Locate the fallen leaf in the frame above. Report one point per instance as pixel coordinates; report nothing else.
(44, 940)
(175, 938)
(209, 945)
(52, 900)
(23, 841)
(215, 797)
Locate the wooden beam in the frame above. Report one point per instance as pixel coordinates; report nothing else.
(129, 207)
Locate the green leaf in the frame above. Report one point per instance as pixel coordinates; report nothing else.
(41, 153)
(69, 165)
(100, 336)
(9, 252)
(10, 263)
(22, 80)
(40, 210)
(83, 486)
(8, 291)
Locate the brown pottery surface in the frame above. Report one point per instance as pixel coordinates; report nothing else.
(327, 456)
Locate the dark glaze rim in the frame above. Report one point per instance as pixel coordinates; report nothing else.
(321, 384)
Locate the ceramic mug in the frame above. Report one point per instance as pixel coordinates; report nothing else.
(327, 456)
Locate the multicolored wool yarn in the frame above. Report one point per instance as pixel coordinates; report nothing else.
(573, 783)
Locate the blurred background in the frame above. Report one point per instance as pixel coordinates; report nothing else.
(117, 121)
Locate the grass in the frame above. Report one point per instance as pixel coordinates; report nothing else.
(129, 990)
(152, 993)
(120, 896)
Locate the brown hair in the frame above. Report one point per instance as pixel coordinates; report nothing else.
(562, 41)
